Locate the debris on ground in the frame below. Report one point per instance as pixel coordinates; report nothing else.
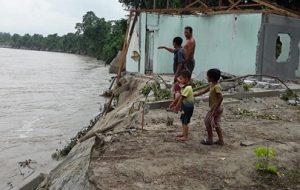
(170, 121)
(10, 185)
(107, 93)
(255, 115)
(248, 143)
(26, 163)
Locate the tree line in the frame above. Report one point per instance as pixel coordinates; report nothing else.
(94, 37)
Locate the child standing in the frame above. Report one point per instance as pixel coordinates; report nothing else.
(179, 56)
(178, 62)
(213, 117)
(186, 102)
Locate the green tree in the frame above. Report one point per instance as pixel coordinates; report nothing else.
(94, 37)
(16, 41)
(5, 38)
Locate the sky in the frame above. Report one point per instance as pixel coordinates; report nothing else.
(53, 16)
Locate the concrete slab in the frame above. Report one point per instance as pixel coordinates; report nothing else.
(228, 98)
(33, 182)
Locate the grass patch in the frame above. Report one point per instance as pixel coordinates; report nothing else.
(264, 156)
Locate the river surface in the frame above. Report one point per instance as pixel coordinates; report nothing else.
(45, 99)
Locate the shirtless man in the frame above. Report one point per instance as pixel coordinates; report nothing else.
(189, 49)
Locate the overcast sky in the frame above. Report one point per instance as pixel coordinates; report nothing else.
(52, 16)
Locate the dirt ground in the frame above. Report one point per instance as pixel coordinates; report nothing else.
(152, 159)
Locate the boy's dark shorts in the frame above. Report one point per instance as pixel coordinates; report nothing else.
(187, 110)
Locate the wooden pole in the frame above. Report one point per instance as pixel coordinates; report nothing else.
(129, 32)
(192, 4)
(234, 5)
(120, 60)
(143, 116)
(277, 8)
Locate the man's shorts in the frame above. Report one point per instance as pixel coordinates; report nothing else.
(187, 112)
(190, 66)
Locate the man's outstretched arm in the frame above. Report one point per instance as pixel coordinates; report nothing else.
(171, 50)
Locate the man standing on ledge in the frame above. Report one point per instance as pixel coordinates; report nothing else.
(189, 49)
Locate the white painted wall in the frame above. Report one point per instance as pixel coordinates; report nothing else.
(228, 42)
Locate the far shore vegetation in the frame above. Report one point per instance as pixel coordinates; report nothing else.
(94, 37)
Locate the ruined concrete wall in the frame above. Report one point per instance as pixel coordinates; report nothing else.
(228, 41)
(272, 27)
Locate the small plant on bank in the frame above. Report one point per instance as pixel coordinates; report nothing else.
(146, 90)
(247, 87)
(159, 93)
(264, 155)
(288, 95)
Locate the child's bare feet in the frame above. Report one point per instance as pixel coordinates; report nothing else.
(181, 139)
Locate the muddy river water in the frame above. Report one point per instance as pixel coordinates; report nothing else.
(45, 98)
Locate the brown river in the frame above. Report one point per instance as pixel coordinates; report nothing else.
(45, 99)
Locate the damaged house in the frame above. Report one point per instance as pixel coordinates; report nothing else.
(233, 38)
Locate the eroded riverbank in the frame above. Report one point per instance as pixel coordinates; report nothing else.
(122, 156)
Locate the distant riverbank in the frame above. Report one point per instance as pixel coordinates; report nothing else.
(46, 50)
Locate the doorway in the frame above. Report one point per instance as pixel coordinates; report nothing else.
(149, 51)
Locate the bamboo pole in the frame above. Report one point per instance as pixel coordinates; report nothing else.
(129, 32)
(234, 5)
(277, 8)
(120, 60)
(103, 130)
(244, 77)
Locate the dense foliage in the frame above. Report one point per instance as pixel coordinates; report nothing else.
(94, 37)
(147, 4)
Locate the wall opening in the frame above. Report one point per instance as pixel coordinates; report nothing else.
(283, 47)
(149, 51)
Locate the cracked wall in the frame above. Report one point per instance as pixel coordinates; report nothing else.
(272, 59)
(228, 42)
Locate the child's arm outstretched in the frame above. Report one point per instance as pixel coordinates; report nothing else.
(206, 90)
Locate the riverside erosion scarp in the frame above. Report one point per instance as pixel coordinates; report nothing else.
(125, 157)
